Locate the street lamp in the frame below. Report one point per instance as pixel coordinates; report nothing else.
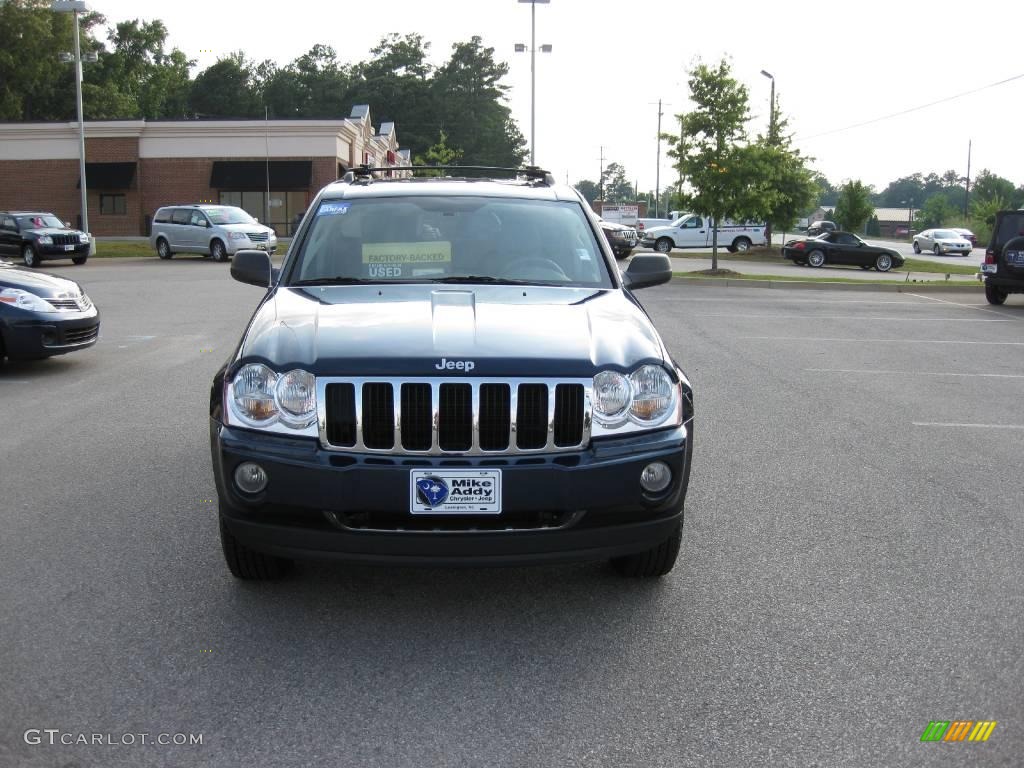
(76, 7)
(521, 48)
(771, 113)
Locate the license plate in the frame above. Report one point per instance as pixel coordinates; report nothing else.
(455, 492)
(69, 247)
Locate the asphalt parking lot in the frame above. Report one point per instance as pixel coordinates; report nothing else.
(851, 565)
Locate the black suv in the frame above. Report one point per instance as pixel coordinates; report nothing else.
(1003, 269)
(450, 370)
(37, 235)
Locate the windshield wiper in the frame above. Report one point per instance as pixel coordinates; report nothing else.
(481, 279)
(334, 281)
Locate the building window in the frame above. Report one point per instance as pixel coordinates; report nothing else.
(112, 205)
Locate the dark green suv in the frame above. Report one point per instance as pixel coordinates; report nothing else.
(1003, 269)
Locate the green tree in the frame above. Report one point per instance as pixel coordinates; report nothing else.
(873, 228)
(729, 177)
(854, 206)
(827, 194)
(438, 154)
(226, 89)
(34, 83)
(989, 186)
(614, 184)
(937, 211)
(589, 189)
(983, 217)
(791, 185)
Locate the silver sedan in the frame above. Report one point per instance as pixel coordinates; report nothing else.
(941, 242)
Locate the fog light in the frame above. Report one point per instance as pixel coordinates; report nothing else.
(655, 477)
(250, 477)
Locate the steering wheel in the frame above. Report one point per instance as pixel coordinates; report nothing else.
(543, 265)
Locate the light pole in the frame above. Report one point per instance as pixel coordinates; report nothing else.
(75, 7)
(520, 48)
(771, 113)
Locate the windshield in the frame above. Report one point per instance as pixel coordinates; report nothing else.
(229, 216)
(945, 234)
(449, 239)
(39, 220)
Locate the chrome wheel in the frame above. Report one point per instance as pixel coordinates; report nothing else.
(163, 250)
(741, 244)
(917, 247)
(28, 255)
(883, 263)
(816, 258)
(663, 245)
(217, 251)
(937, 251)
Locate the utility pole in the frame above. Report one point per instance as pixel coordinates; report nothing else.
(657, 169)
(600, 179)
(967, 187)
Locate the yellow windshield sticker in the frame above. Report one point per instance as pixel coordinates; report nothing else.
(433, 252)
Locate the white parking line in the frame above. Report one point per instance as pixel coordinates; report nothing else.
(890, 341)
(978, 307)
(966, 426)
(854, 317)
(916, 373)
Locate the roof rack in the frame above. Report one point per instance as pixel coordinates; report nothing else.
(364, 173)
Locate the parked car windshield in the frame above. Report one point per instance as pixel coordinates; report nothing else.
(39, 220)
(945, 234)
(229, 216)
(450, 239)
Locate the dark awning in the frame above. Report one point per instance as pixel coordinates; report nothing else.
(251, 175)
(109, 175)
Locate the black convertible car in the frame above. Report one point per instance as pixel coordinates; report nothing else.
(841, 248)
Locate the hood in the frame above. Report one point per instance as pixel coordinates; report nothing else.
(614, 225)
(245, 227)
(40, 283)
(410, 330)
(661, 230)
(53, 231)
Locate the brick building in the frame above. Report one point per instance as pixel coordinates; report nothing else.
(133, 166)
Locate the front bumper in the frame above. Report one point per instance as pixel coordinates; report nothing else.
(45, 334)
(579, 506)
(60, 251)
(234, 246)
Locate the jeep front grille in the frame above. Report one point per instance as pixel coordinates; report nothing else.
(453, 416)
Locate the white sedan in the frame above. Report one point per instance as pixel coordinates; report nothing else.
(941, 242)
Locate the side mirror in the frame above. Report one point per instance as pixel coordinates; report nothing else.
(67, 224)
(647, 269)
(253, 267)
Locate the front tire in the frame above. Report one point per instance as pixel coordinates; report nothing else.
(29, 256)
(79, 260)
(917, 247)
(883, 263)
(653, 563)
(663, 244)
(163, 249)
(816, 258)
(217, 251)
(937, 251)
(741, 244)
(249, 565)
(995, 295)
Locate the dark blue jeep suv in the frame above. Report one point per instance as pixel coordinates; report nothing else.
(450, 370)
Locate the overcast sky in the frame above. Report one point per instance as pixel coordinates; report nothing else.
(835, 64)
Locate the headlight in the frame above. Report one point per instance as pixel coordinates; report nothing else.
(45, 240)
(253, 395)
(296, 397)
(83, 238)
(653, 394)
(612, 395)
(237, 236)
(25, 300)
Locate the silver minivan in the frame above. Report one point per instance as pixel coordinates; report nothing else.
(218, 231)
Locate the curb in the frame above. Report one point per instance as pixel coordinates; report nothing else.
(891, 287)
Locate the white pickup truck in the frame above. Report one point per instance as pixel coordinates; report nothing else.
(696, 231)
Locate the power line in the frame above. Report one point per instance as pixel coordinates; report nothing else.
(908, 111)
